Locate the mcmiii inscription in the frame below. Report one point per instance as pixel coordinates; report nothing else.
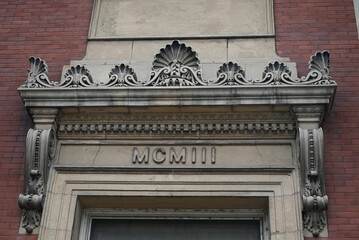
(184, 155)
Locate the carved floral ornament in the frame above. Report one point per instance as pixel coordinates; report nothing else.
(178, 65)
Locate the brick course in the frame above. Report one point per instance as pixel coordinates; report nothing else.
(302, 28)
(57, 31)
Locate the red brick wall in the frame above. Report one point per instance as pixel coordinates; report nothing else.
(302, 28)
(56, 31)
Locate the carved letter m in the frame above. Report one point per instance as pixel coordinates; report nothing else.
(140, 158)
(181, 156)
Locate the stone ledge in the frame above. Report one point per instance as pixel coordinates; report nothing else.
(175, 96)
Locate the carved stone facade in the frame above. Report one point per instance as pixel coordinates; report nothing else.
(179, 120)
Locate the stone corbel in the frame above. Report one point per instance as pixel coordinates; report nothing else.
(40, 151)
(315, 201)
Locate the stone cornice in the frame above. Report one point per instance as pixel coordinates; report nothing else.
(176, 79)
(176, 96)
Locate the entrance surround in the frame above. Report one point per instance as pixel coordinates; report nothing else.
(176, 137)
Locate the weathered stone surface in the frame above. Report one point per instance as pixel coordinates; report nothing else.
(185, 18)
(250, 50)
(109, 50)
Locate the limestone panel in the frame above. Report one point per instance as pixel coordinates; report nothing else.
(181, 18)
(247, 49)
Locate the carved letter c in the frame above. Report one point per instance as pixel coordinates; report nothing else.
(155, 154)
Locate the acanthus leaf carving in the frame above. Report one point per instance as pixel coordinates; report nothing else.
(38, 75)
(32, 201)
(230, 74)
(176, 65)
(78, 76)
(315, 202)
(178, 52)
(40, 151)
(121, 76)
(318, 70)
(75, 76)
(276, 73)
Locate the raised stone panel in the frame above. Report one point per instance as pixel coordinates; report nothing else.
(177, 155)
(181, 18)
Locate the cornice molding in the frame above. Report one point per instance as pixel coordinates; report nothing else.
(191, 96)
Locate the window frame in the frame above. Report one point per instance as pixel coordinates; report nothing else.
(192, 214)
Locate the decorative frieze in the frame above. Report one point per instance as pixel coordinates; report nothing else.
(40, 151)
(183, 124)
(178, 129)
(177, 65)
(315, 202)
